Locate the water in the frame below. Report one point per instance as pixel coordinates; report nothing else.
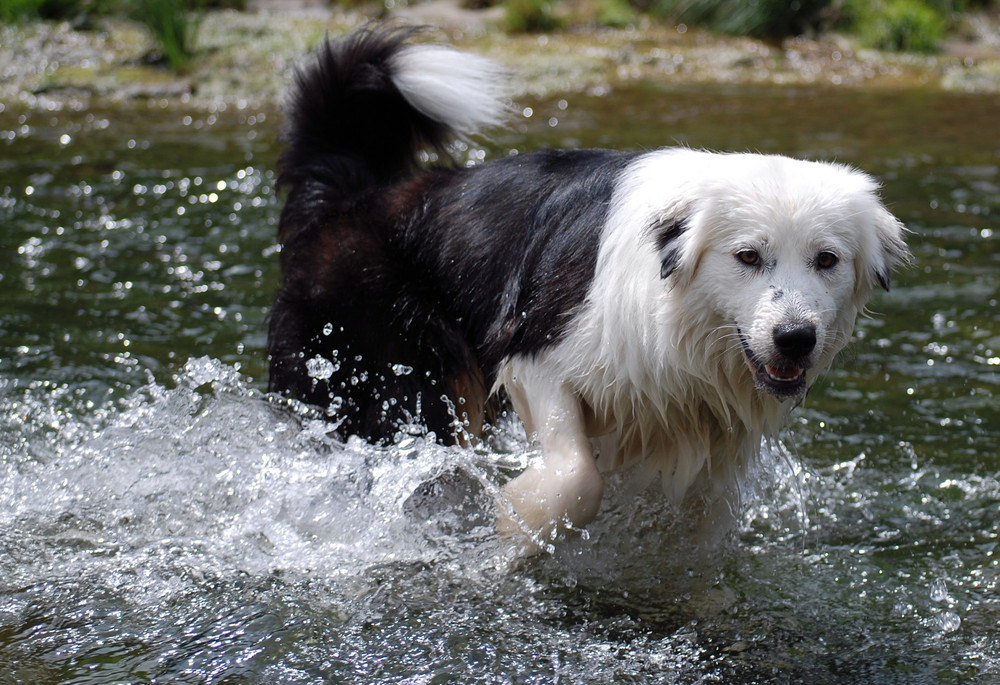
(163, 520)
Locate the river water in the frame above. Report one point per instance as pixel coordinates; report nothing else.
(163, 520)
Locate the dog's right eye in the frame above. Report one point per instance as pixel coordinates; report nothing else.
(749, 257)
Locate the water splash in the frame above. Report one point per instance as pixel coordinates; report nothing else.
(203, 512)
(320, 368)
(202, 529)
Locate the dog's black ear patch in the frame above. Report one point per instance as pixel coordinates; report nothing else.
(883, 279)
(894, 252)
(665, 233)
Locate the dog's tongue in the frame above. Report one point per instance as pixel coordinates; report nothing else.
(790, 373)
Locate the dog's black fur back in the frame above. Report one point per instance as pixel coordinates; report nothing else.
(417, 284)
(347, 126)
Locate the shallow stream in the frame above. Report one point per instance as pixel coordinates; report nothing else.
(163, 520)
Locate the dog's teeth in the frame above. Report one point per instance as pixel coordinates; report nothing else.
(783, 374)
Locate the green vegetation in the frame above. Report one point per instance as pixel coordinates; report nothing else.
(761, 19)
(524, 16)
(616, 13)
(898, 25)
(174, 24)
(17, 10)
(532, 16)
(895, 25)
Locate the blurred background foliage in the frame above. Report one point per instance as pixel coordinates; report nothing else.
(894, 25)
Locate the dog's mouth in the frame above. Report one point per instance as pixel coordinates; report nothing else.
(781, 380)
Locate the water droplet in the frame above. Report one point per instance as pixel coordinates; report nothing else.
(328, 329)
(320, 368)
(939, 590)
(402, 369)
(947, 622)
(901, 609)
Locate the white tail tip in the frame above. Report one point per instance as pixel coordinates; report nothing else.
(465, 92)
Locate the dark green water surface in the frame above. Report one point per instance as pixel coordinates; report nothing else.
(162, 520)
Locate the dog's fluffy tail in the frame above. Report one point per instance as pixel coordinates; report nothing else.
(362, 111)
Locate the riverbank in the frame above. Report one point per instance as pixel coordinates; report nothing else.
(247, 57)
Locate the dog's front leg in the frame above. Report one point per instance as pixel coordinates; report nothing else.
(563, 490)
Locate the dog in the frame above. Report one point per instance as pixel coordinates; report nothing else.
(665, 307)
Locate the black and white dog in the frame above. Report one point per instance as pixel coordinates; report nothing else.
(667, 306)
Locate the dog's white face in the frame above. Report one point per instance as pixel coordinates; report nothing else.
(786, 291)
(786, 253)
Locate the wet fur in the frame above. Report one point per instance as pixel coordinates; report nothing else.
(602, 291)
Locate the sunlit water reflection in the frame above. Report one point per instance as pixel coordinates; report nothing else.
(163, 520)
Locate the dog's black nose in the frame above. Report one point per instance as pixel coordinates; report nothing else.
(795, 340)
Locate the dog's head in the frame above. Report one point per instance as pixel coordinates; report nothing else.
(784, 254)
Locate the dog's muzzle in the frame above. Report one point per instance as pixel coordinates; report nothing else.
(783, 373)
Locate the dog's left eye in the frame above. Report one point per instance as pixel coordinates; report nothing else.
(826, 260)
(749, 257)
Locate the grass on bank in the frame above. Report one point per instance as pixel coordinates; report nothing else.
(894, 25)
(172, 23)
(536, 16)
(899, 25)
